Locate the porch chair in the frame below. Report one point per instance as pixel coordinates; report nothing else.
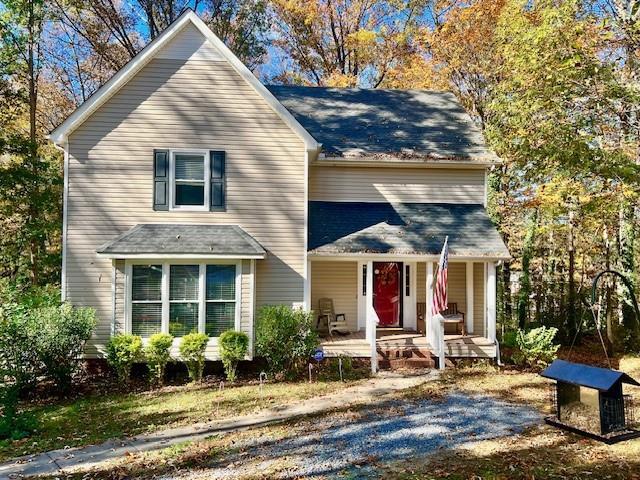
(326, 311)
(453, 316)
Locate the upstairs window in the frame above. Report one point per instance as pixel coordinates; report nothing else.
(190, 180)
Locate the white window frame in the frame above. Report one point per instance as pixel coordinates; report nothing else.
(165, 289)
(172, 181)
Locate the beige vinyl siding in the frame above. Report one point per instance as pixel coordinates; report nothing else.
(175, 104)
(338, 281)
(457, 290)
(190, 44)
(421, 282)
(478, 299)
(418, 185)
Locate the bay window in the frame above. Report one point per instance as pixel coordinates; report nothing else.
(221, 294)
(181, 298)
(146, 300)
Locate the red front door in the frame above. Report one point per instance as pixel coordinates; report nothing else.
(386, 293)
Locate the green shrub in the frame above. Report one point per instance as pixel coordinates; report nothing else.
(233, 348)
(285, 338)
(509, 339)
(158, 355)
(19, 362)
(62, 333)
(192, 350)
(535, 348)
(122, 352)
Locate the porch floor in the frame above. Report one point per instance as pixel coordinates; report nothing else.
(355, 344)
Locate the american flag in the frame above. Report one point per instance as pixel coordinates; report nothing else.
(440, 293)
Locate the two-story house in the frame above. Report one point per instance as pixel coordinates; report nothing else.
(194, 195)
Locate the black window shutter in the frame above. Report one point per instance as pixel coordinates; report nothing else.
(161, 179)
(217, 180)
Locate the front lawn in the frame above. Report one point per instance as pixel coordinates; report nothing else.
(97, 418)
(540, 452)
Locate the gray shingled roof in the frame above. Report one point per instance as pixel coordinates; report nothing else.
(408, 228)
(156, 239)
(353, 122)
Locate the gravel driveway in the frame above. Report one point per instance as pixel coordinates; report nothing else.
(350, 444)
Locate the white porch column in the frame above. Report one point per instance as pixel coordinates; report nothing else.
(371, 318)
(306, 305)
(469, 313)
(429, 297)
(491, 301)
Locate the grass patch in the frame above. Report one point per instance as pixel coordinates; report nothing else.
(96, 418)
(541, 452)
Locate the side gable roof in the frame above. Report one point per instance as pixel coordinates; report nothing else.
(104, 93)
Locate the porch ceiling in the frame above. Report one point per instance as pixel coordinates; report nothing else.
(404, 229)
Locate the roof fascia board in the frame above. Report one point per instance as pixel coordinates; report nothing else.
(371, 162)
(150, 255)
(59, 134)
(401, 256)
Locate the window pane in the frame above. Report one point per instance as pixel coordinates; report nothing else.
(189, 194)
(221, 282)
(146, 282)
(220, 318)
(183, 318)
(183, 282)
(189, 167)
(146, 318)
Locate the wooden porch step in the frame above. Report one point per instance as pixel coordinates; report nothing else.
(407, 357)
(407, 363)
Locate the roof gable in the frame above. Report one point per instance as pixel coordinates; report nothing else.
(169, 44)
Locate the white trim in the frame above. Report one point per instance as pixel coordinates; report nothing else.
(113, 297)
(394, 162)
(372, 319)
(238, 296)
(397, 257)
(409, 314)
(362, 303)
(127, 296)
(149, 257)
(484, 310)
(116, 82)
(252, 305)
(64, 146)
(491, 301)
(469, 296)
(306, 274)
(429, 299)
(202, 301)
(205, 207)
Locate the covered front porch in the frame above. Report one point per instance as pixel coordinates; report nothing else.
(375, 263)
(387, 298)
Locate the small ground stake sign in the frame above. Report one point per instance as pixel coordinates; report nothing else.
(318, 355)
